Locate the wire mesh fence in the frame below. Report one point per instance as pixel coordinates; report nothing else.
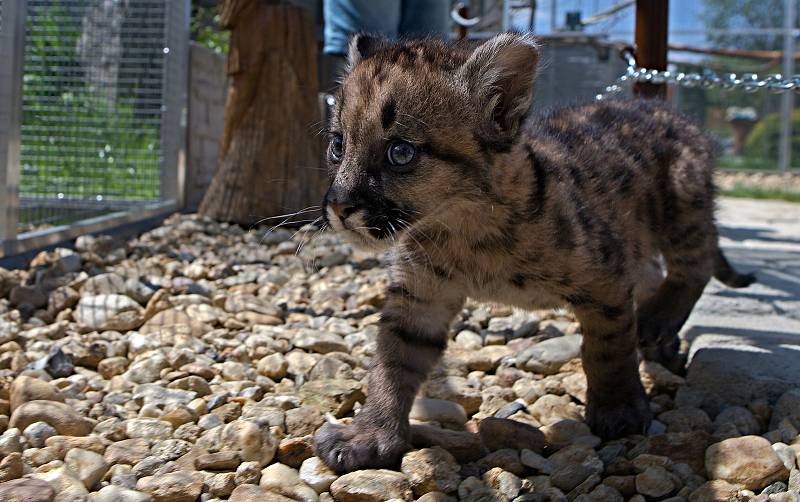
(102, 98)
(92, 102)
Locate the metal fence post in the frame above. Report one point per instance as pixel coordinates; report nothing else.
(787, 98)
(12, 38)
(173, 121)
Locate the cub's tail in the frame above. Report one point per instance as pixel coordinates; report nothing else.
(725, 273)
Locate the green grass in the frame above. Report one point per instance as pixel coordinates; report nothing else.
(747, 163)
(752, 192)
(78, 140)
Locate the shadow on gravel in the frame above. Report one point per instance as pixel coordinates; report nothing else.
(765, 234)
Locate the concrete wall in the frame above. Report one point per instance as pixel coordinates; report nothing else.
(208, 87)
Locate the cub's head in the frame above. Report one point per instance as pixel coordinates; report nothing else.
(415, 127)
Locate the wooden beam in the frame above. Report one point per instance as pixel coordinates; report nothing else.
(652, 24)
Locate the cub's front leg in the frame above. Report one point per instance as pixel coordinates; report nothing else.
(413, 334)
(616, 401)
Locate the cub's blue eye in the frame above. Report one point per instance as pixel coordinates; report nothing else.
(400, 153)
(336, 147)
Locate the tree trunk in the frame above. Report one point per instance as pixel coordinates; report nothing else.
(269, 158)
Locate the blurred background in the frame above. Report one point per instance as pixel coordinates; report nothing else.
(113, 111)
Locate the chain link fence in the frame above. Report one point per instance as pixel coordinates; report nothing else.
(100, 105)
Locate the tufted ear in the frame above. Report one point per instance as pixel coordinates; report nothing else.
(363, 46)
(499, 75)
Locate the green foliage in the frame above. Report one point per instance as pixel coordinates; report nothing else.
(205, 27)
(764, 140)
(738, 14)
(78, 141)
(752, 192)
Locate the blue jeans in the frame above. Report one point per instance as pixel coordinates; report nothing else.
(392, 18)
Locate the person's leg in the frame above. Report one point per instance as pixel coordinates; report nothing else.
(422, 18)
(343, 18)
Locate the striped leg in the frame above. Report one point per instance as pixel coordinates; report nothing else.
(617, 404)
(413, 334)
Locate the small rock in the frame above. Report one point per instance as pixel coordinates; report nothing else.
(749, 461)
(431, 469)
(506, 459)
(456, 389)
(717, 490)
(319, 341)
(317, 475)
(248, 473)
(252, 493)
(332, 395)
(504, 482)
(273, 366)
(37, 433)
(112, 493)
(787, 407)
(686, 420)
(63, 418)
(179, 486)
(109, 312)
(499, 433)
(62, 480)
(548, 356)
(220, 461)
(221, 484)
(26, 490)
(535, 461)
(464, 446)
(127, 451)
(88, 466)
(11, 467)
(148, 428)
(11, 441)
(438, 410)
(25, 388)
(654, 482)
(487, 358)
(372, 486)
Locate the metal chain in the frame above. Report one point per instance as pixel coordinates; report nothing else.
(707, 79)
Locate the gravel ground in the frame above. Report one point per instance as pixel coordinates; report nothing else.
(195, 363)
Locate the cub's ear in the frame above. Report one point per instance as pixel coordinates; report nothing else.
(363, 46)
(500, 75)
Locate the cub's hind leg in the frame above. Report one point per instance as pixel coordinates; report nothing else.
(689, 255)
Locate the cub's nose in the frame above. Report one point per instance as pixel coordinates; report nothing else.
(341, 209)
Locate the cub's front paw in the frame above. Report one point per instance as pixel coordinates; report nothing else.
(346, 448)
(614, 420)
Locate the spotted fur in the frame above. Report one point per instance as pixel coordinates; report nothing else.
(567, 208)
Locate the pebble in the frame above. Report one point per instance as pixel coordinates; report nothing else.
(655, 481)
(37, 433)
(88, 466)
(499, 433)
(195, 362)
(316, 474)
(179, 486)
(27, 490)
(749, 461)
(438, 410)
(63, 481)
(62, 417)
(112, 493)
(548, 356)
(372, 486)
(25, 388)
(431, 470)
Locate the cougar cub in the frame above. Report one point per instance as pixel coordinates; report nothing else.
(431, 155)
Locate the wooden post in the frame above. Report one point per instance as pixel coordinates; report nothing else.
(270, 154)
(461, 30)
(652, 24)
